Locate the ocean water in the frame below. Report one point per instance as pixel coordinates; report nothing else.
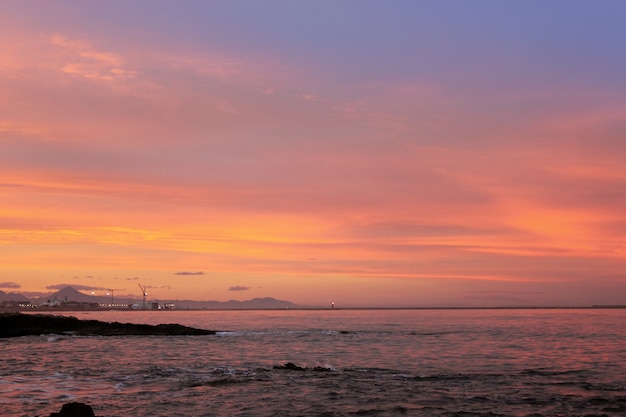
(354, 363)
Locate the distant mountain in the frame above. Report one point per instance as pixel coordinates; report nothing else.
(69, 294)
(267, 303)
(12, 296)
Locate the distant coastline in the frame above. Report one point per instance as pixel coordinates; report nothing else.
(69, 299)
(10, 309)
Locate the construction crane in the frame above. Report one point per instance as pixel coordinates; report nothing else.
(144, 294)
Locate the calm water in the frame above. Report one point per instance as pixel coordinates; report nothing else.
(378, 363)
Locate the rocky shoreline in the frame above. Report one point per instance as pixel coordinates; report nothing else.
(17, 324)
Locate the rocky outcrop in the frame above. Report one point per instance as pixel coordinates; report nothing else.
(74, 410)
(17, 324)
(290, 366)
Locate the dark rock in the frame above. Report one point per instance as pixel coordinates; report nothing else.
(293, 367)
(74, 410)
(290, 366)
(321, 369)
(16, 324)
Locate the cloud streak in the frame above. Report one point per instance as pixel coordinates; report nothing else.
(78, 287)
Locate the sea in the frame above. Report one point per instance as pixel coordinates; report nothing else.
(462, 363)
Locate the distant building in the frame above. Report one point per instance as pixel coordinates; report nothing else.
(12, 305)
(51, 303)
(116, 306)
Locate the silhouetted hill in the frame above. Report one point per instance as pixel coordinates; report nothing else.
(70, 294)
(267, 303)
(12, 296)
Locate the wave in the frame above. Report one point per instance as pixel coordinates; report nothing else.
(292, 389)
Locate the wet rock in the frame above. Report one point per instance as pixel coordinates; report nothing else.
(293, 367)
(74, 410)
(290, 366)
(17, 324)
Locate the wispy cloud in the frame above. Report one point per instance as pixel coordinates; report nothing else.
(78, 287)
(83, 60)
(10, 285)
(189, 273)
(238, 288)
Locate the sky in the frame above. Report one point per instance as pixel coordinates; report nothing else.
(366, 153)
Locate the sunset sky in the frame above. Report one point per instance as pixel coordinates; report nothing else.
(367, 153)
